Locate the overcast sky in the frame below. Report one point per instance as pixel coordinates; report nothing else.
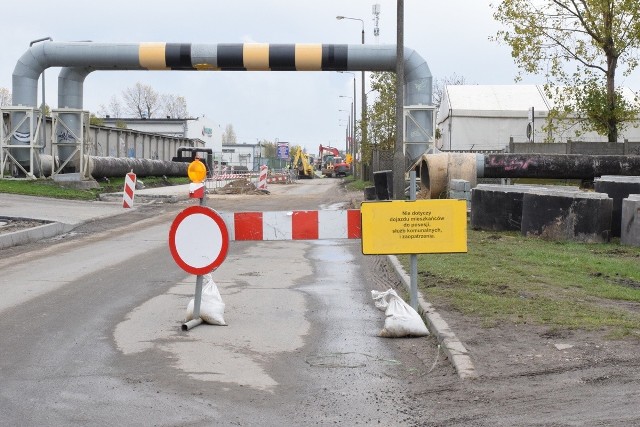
(299, 107)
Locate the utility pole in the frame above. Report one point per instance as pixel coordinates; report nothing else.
(398, 155)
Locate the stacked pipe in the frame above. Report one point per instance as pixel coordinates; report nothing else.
(436, 170)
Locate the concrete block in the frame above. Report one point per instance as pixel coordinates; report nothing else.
(496, 207)
(460, 195)
(630, 214)
(459, 185)
(617, 187)
(567, 215)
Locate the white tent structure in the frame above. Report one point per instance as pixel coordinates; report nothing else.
(486, 117)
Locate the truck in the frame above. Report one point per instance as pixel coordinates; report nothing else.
(331, 163)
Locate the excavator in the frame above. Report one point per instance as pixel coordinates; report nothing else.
(302, 164)
(331, 164)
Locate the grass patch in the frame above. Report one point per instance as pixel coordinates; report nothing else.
(50, 188)
(506, 277)
(353, 184)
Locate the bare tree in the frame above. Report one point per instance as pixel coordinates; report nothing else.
(141, 100)
(5, 96)
(440, 84)
(174, 106)
(229, 135)
(114, 108)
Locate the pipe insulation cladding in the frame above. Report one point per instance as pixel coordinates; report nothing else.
(78, 59)
(437, 170)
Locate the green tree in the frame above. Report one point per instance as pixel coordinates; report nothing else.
(268, 149)
(95, 120)
(381, 114)
(578, 44)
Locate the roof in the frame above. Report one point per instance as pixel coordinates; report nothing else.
(491, 100)
(498, 100)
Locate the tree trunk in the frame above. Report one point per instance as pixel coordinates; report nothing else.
(612, 121)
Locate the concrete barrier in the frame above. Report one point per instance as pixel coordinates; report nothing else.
(497, 207)
(617, 187)
(567, 215)
(630, 215)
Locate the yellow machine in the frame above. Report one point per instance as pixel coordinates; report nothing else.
(302, 164)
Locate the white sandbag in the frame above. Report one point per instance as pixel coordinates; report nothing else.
(380, 299)
(211, 305)
(402, 320)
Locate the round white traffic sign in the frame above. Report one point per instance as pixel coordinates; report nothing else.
(198, 240)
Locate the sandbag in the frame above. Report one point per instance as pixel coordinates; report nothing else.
(401, 319)
(211, 305)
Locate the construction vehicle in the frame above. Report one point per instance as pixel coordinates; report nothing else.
(302, 164)
(331, 163)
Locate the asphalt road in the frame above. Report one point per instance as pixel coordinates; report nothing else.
(91, 330)
(91, 336)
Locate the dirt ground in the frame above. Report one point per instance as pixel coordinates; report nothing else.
(529, 375)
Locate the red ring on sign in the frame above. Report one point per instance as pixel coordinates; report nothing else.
(195, 210)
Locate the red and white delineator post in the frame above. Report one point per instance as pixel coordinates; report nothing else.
(262, 178)
(129, 190)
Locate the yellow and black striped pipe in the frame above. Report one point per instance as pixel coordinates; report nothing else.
(244, 56)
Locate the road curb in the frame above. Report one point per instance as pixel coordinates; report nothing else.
(34, 234)
(451, 345)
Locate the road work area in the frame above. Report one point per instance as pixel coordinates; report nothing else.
(91, 332)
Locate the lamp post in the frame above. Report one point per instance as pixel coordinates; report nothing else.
(352, 122)
(354, 146)
(363, 112)
(351, 116)
(348, 124)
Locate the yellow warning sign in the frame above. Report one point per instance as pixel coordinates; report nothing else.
(414, 227)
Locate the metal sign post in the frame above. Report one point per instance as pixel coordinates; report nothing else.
(199, 241)
(412, 227)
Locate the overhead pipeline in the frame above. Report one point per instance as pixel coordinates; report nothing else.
(78, 59)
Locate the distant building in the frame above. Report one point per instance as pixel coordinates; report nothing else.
(201, 128)
(249, 156)
(486, 117)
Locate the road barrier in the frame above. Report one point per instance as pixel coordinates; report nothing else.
(129, 190)
(293, 225)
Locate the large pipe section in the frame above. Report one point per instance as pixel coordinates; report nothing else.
(100, 167)
(80, 58)
(436, 170)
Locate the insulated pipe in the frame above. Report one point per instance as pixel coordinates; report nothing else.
(99, 167)
(436, 170)
(70, 95)
(187, 56)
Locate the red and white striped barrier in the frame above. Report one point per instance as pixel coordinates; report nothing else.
(277, 178)
(129, 190)
(229, 176)
(293, 225)
(262, 179)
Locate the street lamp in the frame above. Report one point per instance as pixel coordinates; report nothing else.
(363, 113)
(354, 146)
(351, 117)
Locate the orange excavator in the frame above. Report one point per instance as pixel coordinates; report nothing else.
(331, 163)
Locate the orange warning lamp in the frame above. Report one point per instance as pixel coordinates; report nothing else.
(197, 171)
